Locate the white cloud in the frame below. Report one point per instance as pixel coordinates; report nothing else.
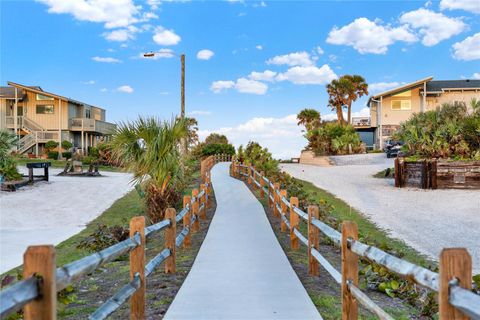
(114, 13)
(382, 86)
(467, 5)
(476, 76)
(199, 113)
(320, 50)
(89, 82)
(164, 93)
(259, 47)
(468, 49)
(367, 36)
(121, 35)
(432, 26)
(308, 75)
(266, 75)
(205, 54)
(219, 86)
(261, 4)
(166, 37)
(244, 85)
(125, 88)
(160, 54)
(154, 4)
(106, 59)
(282, 136)
(103, 90)
(292, 59)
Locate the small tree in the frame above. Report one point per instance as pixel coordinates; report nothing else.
(66, 145)
(8, 166)
(50, 145)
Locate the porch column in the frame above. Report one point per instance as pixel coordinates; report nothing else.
(424, 100)
(86, 143)
(15, 117)
(59, 128)
(380, 123)
(83, 141)
(91, 140)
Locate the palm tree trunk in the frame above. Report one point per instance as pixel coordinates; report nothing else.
(340, 115)
(349, 112)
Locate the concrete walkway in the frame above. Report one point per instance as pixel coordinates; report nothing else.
(240, 272)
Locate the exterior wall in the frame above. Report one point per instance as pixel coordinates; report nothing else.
(47, 121)
(395, 117)
(3, 113)
(450, 97)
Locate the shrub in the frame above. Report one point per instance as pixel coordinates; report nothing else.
(67, 155)
(104, 237)
(88, 160)
(8, 165)
(93, 152)
(448, 132)
(216, 148)
(8, 169)
(50, 145)
(66, 145)
(52, 155)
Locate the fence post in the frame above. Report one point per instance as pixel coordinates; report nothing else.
(249, 175)
(455, 263)
(209, 183)
(203, 214)
(262, 184)
(349, 271)
(196, 224)
(187, 219)
(276, 186)
(396, 173)
(283, 226)
(270, 192)
(170, 235)
(137, 265)
(40, 260)
(294, 221)
(313, 241)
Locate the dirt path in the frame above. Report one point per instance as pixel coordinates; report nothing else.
(427, 220)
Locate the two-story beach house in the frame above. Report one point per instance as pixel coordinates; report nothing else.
(38, 116)
(390, 108)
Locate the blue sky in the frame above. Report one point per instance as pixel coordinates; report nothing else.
(91, 50)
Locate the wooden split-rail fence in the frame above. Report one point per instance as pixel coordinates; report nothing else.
(453, 283)
(37, 293)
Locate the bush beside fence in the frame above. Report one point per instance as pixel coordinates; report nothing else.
(37, 294)
(453, 283)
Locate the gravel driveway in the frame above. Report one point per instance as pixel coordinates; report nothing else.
(427, 220)
(51, 212)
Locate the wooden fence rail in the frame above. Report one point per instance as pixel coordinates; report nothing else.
(453, 283)
(37, 293)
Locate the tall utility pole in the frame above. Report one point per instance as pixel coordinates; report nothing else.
(182, 87)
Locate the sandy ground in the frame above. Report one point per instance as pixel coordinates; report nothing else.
(427, 220)
(51, 212)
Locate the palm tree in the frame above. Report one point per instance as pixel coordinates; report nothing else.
(354, 87)
(149, 148)
(310, 118)
(192, 131)
(337, 100)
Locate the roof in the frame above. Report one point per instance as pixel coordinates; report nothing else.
(441, 85)
(401, 88)
(9, 93)
(39, 90)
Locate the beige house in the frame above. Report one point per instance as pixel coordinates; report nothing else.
(38, 116)
(390, 108)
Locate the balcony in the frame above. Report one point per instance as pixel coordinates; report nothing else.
(91, 125)
(361, 122)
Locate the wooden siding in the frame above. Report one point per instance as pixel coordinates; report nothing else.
(47, 121)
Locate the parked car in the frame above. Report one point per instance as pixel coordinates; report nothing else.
(393, 148)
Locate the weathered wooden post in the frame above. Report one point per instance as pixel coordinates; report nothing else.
(276, 186)
(187, 219)
(137, 266)
(283, 193)
(40, 260)
(209, 184)
(349, 271)
(249, 175)
(170, 235)
(313, 240)
(270, 192)
(262, 185)
(203, 201)
(294, 221)
(455, 263)
(196, 224)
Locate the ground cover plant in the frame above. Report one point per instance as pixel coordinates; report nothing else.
(452, 131)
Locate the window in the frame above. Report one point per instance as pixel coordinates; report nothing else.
(401, 105)
(87, 113)
(42, 97)
(45, 109)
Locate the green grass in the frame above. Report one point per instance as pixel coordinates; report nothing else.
(61, 164)
(366, 228)
(381, 174)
